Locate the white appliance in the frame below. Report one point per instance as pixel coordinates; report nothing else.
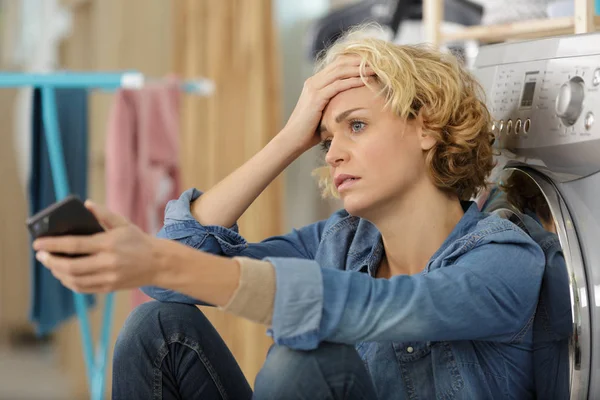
(544, 96)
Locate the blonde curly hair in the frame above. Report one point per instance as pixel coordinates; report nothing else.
(419, 78)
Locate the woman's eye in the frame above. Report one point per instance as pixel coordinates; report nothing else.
(357, 126)
(325, 145)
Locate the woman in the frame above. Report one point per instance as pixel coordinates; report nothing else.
(408, 292)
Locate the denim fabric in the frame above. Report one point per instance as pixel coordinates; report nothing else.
(461, 329)
(171, 351)
(553, 324)
(51, 302)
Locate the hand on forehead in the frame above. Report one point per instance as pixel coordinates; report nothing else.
(350, 101)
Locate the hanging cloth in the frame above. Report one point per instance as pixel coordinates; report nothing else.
(51, 302)
(142, 155)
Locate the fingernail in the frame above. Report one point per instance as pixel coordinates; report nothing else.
(41, 256)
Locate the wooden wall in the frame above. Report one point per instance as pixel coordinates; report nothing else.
(231, 42)
(14, 243)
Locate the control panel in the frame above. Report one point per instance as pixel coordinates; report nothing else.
(545, 105)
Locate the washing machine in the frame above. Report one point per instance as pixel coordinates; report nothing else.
(544, 97)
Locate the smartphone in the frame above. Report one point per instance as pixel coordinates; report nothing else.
(66, 217)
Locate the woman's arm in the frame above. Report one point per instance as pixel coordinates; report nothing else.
(223, 204)
(124, 257)
(213, 279)
(489, 293)
(206, 221)
(229, 199)
(215, 240)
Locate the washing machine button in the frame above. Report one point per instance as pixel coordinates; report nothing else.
(569, 102)
(518, 126)
(596, 78)
(509, 126)
(501, 126)
(589, 121)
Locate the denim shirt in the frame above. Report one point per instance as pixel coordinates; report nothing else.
(460, 329)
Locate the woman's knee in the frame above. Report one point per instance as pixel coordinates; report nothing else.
(152, 322)
(287, 373)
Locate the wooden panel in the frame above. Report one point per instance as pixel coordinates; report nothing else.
(234, 44)
(517, 30)
(584, 16)
(583, 21)
(433, 15)
(15, 274)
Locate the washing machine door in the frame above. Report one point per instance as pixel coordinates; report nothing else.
(561, 328)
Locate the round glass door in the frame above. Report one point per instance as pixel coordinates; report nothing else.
(561, 327)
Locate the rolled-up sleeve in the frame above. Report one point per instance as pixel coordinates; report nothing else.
(180, 225)
(489, 293)
(298, 302)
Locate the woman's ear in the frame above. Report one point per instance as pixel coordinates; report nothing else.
(426, 140)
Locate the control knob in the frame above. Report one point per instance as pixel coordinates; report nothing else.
(569, 102)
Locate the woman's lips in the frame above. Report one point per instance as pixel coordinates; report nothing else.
(344, 181)
(347, 184)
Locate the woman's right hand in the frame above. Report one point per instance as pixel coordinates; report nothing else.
(229, 199)
(342, 74)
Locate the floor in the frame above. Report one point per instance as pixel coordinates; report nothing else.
(31, 373)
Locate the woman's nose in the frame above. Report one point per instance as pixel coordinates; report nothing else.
(337, 153)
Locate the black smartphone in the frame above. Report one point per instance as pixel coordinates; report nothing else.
(66, 217)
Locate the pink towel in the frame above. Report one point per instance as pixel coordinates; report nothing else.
(142, 155)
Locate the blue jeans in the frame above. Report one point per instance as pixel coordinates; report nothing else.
(171, 351)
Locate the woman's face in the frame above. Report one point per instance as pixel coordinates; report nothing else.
(382, 154)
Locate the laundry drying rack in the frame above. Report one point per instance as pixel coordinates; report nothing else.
(47, 83)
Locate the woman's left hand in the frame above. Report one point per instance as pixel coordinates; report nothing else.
(122, 257)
